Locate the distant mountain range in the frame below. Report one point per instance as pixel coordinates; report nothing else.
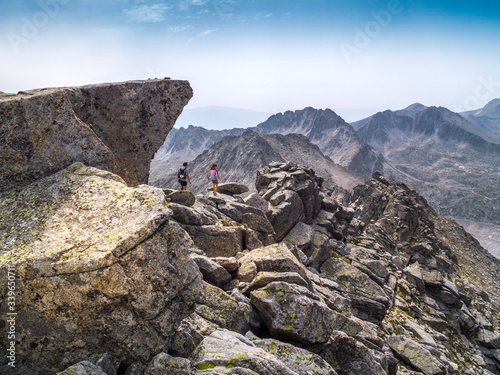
(240, 156)
(452, 159)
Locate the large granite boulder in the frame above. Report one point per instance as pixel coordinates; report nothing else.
(183, 197)
(299, 360)
(116, 127)
(273, 258)
(231, 188)
(294, 313)
(415, 355)
(217, 240)
(98, 268)
(226, 352)
(367, 296)
(218, 307)
(285, 214)
(349, 357)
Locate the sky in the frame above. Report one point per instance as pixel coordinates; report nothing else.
(268, 56)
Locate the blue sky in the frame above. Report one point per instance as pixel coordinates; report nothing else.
(355, 57)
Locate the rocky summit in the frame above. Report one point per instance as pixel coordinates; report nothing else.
(296, 277)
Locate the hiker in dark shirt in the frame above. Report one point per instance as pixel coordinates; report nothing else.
(183, 176)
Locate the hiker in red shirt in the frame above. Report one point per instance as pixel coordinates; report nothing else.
(213, 175)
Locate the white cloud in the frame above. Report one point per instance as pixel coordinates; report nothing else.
(261, 16)
(185, 5)
(179, 29)
(206, 33)
(146, 14)
(199, 2)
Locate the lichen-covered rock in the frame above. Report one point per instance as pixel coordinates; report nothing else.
(211, 271)
(489, 338)
(285, 214)
(217, 240)
(98, 267)
(293, 312)
(117, 127)
(195, 215)
(365, 294)
(272, 258)
(301, 235)
(225, 352)
(415, 355)
(297, 359)
(166, 364)
(348, 356)
(293, 193)
(218, 307)
(189, 334)
(255, 200)
(264, 278)
(259, 223)
(108, 363)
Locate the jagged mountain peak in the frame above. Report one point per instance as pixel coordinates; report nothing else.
(448, 124)
(431, 121)
(411, 111)
(304, 121)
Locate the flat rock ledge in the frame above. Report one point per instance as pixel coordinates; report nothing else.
(112, 126)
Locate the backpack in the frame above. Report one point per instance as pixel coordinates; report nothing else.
(182, 172)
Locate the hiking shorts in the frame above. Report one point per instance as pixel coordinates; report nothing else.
(216, 182)
(183, 183)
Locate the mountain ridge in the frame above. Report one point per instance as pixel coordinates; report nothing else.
(411, 145)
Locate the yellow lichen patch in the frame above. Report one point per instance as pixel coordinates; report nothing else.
(78, 213)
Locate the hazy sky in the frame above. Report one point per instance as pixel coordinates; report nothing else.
(355, 57)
